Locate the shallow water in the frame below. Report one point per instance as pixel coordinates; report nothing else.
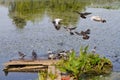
(38, 33)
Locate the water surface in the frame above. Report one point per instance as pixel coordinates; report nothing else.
(27, 26)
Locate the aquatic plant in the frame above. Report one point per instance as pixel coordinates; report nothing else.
(86, 63)
(42, 75)
(52, 76)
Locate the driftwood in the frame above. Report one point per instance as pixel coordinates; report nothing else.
(28, 65)
(32, 66)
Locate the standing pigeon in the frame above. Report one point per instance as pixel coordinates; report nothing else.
(34, 55)
(51, 55)
(22, 55)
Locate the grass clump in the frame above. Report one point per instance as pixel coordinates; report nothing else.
(85, 64)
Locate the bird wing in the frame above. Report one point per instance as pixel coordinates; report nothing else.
(72, 28)
(82, 16)
(87, 13)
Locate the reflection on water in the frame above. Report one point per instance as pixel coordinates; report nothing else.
(30, 10)
(19, 22)
(27, 25)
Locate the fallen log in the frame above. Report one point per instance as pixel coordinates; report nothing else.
(27, 65)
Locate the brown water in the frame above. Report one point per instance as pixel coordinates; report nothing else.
(35, 31)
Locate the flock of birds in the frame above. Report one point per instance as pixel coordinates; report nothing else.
(22, 55)
(62, 53)
(57, 24)
(59, 54)
(51, 54)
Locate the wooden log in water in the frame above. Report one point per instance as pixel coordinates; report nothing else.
(27, 65)
(31, 62)
(26, 69)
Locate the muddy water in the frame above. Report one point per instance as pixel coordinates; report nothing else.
(39, 34)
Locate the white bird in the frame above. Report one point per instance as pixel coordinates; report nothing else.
(56, 23)
(51, 55)
(98, 19)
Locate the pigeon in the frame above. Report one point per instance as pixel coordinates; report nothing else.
(34, 55)
(70, 30)
(94, 50)
(85, 37)
(51, 55)
(83, 15)
(22, 55)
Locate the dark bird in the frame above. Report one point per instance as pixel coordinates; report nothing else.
(56, 23)
(83, 33)
(87, 31)
(71, 33)
(22, 55)
(78, 33)
(83, 15)
(70, 30)
(98, 19)
(85, 37)
(34, 55)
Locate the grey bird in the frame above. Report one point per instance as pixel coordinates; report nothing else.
(94, 50)
(34, 55)
(22, 55)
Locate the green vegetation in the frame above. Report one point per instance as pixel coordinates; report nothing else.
(85, 64)
(83, 67)
(52, 76)
(42, 75)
